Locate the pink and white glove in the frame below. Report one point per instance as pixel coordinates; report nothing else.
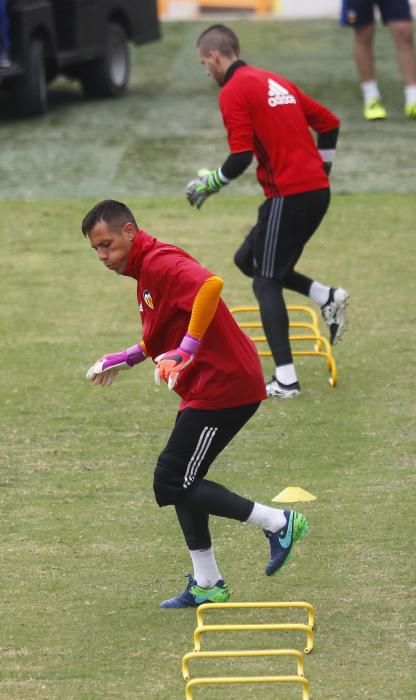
(171, 363)
(105, 370)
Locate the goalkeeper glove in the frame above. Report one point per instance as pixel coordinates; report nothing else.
(105, 370)
(208, 182)
(171, 363)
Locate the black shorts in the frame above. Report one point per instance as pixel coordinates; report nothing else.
(284, 226)
(197, 438)
(359, 13)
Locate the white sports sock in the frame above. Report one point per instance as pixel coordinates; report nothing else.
(410, 94)
(272, 519)
(370, 91)
(319, 293)
(286, 374)
(206, 572)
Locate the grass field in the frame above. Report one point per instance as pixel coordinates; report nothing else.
(86, 555)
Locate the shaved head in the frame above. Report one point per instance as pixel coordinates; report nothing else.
(219, 38)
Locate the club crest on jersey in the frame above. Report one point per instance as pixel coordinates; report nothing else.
(148, 299)
(278, 95)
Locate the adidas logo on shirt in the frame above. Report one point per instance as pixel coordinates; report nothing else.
(278, 95)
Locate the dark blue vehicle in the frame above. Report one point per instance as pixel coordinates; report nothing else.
(83, 39)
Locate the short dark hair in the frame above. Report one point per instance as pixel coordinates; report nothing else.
(220, 38)
(109, 210)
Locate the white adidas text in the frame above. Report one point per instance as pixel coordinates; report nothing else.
(278, 95)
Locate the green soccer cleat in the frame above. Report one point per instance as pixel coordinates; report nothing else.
(195, 595)
(374, 110)
(281, 542)
(410, 110)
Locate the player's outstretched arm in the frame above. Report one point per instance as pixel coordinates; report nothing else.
(105, 370)
(170, 364)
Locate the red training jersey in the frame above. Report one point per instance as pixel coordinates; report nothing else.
(269, 115)
(226, 371)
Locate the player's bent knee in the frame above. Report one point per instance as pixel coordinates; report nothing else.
(167, 482)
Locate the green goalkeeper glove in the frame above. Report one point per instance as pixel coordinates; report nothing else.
(208, 182)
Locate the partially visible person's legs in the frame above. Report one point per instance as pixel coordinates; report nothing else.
(359, 15)
(364, 59)
(364, 52)
(197, 438)
(402, 34)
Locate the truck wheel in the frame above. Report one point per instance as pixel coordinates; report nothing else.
(108, 75)
(29, 90)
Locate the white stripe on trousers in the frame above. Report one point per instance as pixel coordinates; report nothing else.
(204, 442)
(272, 235)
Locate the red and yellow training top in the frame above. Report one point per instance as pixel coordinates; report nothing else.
(226, 372)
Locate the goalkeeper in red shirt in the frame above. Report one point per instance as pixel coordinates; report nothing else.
(202, 355)
(268, 117)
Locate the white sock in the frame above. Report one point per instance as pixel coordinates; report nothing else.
(272, 519)
(286, 374)
(370, 91)
(319, 293)
(410, 94)
(206, 572)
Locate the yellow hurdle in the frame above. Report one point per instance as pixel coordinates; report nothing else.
(269, 627)
(280, 604)
(202, 628)
(243, 653)
(265, 627)
(248, 679)
(320, 348)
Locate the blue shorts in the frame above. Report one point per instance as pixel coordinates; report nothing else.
(359, 13)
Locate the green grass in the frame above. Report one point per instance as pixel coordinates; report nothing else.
(85, 553)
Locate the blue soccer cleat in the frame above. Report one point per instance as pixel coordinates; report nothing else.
(195, 595)
(281, 542)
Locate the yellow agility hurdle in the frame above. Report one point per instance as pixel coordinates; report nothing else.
(271, 627)
(248, 679)
(243, 653)
(266, 627)
(280, 604)
(202, 628)
(321, 346)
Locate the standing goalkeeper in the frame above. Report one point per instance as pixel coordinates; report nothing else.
(267, 116)
(202, 354)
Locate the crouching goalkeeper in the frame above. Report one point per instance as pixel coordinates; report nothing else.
(202, 355)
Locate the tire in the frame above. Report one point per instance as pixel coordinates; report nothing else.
(108, 75)
(29, 90)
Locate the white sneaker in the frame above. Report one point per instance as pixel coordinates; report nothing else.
(334, 313)
(276, 390)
